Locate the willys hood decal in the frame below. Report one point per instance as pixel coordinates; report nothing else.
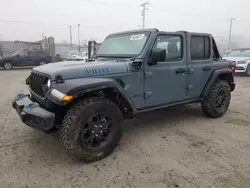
(78, 69)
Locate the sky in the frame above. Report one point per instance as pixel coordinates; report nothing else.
(30, 19)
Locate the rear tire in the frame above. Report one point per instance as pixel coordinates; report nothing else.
(8, 65)
(42, 62)
(91, 129)
(217, 102)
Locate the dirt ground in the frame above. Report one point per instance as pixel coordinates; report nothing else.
(177, 147)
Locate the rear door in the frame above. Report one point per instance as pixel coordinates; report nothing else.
(199, 61)
(165, 82)
(32, 58)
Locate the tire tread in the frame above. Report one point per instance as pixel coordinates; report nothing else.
(70, 118)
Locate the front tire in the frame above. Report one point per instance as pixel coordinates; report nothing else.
(8, 65)
(91, 129)
(217, 102)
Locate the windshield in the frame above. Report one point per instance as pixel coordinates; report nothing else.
(130, 45)
(239, 53)
(18, 53)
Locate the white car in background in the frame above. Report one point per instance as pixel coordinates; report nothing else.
(76, 55)
(70, 56)
(241, 57)
(84, 55)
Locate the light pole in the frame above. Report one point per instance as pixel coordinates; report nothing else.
(79, 47)
(143, 13)
(230, 32)
(70, 36)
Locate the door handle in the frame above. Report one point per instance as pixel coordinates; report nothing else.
(206, 68)
(180, 71)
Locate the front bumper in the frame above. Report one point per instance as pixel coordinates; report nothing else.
(32, 114)
(240, 68)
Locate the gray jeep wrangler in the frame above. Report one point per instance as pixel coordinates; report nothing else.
(131, 73)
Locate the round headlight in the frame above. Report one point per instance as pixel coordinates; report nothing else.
(49, 83)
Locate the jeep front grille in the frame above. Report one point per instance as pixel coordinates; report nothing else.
(38, 84)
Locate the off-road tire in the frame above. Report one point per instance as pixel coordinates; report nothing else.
(71, 128)
(209, 103)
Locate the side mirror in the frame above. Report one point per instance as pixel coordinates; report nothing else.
(157, 55)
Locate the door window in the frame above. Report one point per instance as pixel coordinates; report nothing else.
(173, 46)
(21, 53)
(33, 53)
(200, 48)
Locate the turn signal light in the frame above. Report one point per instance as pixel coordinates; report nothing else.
(67, 98)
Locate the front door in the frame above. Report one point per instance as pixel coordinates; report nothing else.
(165, 82)
(200, 63)
(22, 58)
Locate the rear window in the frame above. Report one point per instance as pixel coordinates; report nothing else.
(200, 48)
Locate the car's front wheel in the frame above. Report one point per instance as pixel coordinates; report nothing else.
(217, 102)
(7, 65)
(91, 129)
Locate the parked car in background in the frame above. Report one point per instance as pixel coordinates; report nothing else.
(70, 56)
(241, 57)
(25, 57)
(225, 54)
(84, 55)
(77, 55)
(63, 56)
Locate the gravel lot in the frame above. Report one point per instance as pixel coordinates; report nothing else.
(177, 147)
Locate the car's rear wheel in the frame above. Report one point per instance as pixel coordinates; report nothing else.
(42, 62)
(7, 65)
(217, 102)
(91, 129)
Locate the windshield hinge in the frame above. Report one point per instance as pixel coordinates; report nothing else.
(59, 79)
(147, 75)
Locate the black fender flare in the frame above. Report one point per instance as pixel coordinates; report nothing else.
(78, 87)
(223, 73)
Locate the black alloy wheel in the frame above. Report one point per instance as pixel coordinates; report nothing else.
(96, 132)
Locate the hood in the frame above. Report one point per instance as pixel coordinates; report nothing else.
(79, 69)
(6, 57)
(236, 58)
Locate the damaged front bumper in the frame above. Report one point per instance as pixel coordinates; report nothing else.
(32, 114)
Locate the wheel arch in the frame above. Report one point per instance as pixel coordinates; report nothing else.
(8, 60)
(222, 74)
(112, 89)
